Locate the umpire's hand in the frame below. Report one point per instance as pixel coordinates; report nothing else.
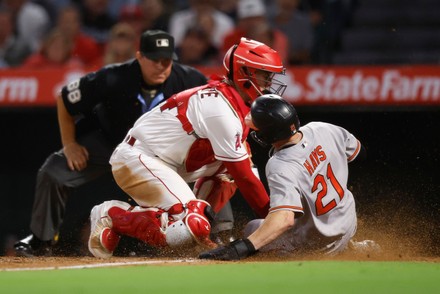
(76, 155)
(237, 250)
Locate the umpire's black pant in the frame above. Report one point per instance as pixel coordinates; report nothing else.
(55, 182)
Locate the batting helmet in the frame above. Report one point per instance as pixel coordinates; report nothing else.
(275, 119)
(251, 66)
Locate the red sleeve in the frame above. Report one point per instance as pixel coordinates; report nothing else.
(249, 185)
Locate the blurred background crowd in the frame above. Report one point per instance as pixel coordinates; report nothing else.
(53, 33)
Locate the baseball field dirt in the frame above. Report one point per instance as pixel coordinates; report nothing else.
(407, 263)
(396, 244)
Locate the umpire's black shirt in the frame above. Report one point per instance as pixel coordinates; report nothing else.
(111, 99)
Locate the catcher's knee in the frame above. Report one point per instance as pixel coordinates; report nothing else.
(115, 203)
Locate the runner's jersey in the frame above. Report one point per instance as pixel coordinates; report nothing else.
(310, 178)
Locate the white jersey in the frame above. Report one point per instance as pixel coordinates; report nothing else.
(310, 178)
(211, 117)
(159, 157)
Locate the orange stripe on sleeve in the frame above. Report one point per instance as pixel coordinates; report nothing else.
(286, 207)
(356, 152)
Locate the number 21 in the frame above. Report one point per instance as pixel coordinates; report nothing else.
(321, 180)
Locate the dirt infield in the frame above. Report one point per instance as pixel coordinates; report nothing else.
(402, 236)
(414, 243)
(48, 263)
(45, 263)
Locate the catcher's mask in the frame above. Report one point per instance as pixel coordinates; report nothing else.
(274, 118)
(252, 66)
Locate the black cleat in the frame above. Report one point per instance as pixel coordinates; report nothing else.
(31, 246)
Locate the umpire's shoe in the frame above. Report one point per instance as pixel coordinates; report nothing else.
(31, 246)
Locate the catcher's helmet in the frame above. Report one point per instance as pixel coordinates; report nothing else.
(275, 119)
(251, 66)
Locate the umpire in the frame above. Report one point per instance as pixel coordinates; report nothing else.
(94, 114)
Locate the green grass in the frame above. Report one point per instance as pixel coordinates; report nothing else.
(235, 277)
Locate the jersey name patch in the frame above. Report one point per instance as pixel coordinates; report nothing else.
(315, 158)
(208, 92)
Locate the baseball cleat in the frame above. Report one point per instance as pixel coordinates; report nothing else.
(103, 240)
(31, 246)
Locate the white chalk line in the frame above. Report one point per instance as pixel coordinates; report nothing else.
(98, 265)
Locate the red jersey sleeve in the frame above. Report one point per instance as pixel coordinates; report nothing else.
(249, 185)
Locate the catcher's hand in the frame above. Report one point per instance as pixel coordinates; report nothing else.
(240, 248)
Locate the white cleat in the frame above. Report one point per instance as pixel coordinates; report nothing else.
(103, 240)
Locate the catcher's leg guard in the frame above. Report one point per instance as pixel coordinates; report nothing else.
(141, 223)
(103, 240)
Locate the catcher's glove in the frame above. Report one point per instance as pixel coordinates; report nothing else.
(240, 248)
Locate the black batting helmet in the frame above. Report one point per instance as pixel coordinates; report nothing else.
(275, 119)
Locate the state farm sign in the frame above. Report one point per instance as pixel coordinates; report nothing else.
(23, 88)
(335, 85)
(19, 89)
(367, 85)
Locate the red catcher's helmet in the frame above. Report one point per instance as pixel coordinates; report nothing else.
(244, 60)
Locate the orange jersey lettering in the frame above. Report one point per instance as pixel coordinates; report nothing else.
(316, 157)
